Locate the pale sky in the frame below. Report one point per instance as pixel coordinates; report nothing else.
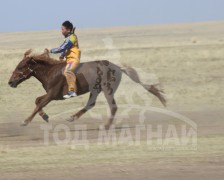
(29, 15)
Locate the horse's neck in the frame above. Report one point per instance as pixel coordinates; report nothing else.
(45, 74)
(40, 74)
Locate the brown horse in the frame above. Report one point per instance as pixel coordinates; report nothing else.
(92, 77)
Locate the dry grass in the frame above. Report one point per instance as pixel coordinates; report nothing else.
(187, 59)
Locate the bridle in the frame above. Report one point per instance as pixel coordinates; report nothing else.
(29, 69)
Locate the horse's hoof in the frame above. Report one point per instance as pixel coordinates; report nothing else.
(71, 119)
(46, 118)
(24, 123)
(75, 118)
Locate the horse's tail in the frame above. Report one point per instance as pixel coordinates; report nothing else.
(130, 72)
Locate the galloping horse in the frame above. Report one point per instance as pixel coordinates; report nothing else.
(93, 77)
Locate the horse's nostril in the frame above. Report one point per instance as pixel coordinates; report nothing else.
(10, 82)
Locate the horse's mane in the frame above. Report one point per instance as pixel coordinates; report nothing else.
(44, 58)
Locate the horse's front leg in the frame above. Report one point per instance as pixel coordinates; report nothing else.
(42, 102)
(44, 115)
(41, 112)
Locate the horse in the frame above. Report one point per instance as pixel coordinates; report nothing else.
(93, 77)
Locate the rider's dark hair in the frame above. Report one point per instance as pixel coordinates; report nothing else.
(68, 25)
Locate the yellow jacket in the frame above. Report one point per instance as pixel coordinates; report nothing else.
(69, 49)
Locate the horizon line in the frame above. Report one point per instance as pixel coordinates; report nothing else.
(116, 27)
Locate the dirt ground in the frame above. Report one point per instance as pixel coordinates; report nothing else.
(187, 59)
(24, 155)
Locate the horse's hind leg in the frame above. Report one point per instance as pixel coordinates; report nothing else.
(113, 108)
(90, 104)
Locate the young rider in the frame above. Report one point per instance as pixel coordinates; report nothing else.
(69, 50)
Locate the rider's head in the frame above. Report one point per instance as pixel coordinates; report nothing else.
(67, 27)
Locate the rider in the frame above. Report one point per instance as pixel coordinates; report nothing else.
(70, 50)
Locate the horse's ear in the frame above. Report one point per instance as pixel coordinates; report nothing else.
(46, 53)
(27, 53)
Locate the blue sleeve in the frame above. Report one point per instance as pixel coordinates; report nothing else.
(62, 49)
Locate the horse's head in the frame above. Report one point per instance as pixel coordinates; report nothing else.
(23, 71)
